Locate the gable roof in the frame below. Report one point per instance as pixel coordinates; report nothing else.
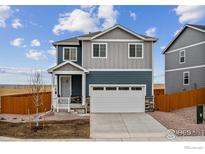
(93, 35)
(143, 37)
(200, 28)
(67, 62)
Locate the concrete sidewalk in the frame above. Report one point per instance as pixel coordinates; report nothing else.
(125, 126)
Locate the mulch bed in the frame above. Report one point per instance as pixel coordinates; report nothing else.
(182, 121)
(79, 128)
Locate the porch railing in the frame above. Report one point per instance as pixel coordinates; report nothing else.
(63, 103)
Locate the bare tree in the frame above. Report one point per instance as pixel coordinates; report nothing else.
(37, 88)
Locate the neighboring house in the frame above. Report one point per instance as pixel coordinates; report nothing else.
(185, 60)
(113, 69)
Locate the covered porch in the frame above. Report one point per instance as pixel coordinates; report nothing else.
(68, 87)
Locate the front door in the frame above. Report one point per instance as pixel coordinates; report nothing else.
(65, 86)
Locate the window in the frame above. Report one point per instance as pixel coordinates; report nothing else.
(137, 88)
(182, 56)
(111, 88)
(98, 88)
(124, 88)
(186, 78)
(135, 50)
(70, 53)
(99, 50)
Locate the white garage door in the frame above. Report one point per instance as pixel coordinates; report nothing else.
(117, 98)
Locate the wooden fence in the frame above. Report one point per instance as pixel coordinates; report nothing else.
(22, 103)
(170, 102)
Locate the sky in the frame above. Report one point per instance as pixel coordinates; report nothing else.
(27, 32)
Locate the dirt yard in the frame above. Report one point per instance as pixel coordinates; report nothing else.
(16, 89)
(79, 128)
(182, 121)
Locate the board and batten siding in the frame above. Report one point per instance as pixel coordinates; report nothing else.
(120, 77)
(117, 34)
(117, 57)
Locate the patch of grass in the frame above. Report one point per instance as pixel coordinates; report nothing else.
(53, 130)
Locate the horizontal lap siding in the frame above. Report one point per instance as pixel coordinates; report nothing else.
(120, 77)
(174, 80)
(60, 53)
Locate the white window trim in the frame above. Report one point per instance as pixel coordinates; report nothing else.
(181, 56)
(135, 50)
(70, 54)
(106, 48)
(188, 78)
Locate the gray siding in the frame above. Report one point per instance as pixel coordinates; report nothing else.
(194, 56)
(68, 67)
(188, 37)
(174, 80)
(117, 34)
(120, 77)
(117, 57)
(60, 53)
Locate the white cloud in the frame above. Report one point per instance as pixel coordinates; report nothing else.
(162, 47)
(86, 6)
(50, 41)
(18, 42)
(5, 13)
(52, 51)
(85, 21)
(108, 14)
(190, 14)
(151, 32)
(133, 15)
(35, 43)
(35, 55)
(16, 23)
(77, 20)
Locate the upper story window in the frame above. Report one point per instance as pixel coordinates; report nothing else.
(135, 50)
(186, 78)
(182, 56)
(99, 50)
(70, 53)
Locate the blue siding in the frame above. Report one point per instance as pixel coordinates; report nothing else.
(76, 85)
(79, 53)
(120, 77)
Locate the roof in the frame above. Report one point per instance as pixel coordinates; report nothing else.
(67, 62)
(200, 28)
(93, 35)
(75, 40)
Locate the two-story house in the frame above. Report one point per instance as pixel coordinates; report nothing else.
(113, 69)
(185, 60)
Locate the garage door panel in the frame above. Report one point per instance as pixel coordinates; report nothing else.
(117, 100)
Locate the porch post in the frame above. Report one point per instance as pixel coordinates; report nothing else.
(83, 89)
(52, 91)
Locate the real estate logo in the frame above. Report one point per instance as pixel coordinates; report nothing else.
(171, 134)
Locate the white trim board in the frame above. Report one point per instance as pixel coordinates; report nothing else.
(68, 72)
(117, 85)
(185, 68)
(119, 69)
(117, 40)
(182, 48)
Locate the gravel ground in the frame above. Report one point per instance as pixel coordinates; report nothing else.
(182, 121)
(49, 116)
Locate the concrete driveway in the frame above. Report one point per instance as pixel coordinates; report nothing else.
(125, 125)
